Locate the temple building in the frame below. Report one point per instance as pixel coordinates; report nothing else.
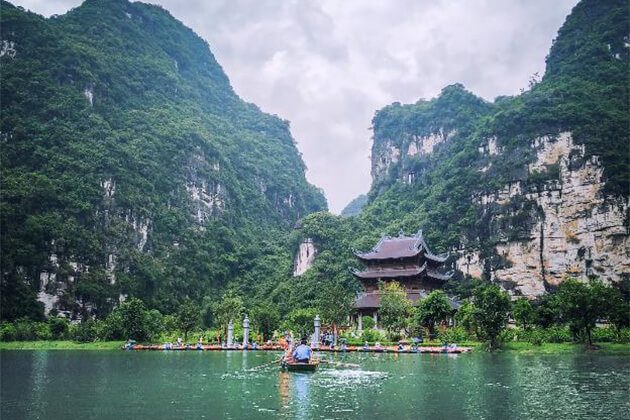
(405, 259)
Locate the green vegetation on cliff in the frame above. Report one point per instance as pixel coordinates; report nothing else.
(434, 161)
(131, 167)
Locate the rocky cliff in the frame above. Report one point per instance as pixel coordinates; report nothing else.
(130, 166)
(525, 190)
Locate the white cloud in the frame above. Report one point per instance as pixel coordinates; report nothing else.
(328, 65)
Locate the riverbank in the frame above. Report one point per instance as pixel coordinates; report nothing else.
(517, 347)
(61, 345)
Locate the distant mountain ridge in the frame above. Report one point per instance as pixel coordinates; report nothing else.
(130, 166)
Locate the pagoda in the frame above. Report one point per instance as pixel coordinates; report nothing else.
(405, 259)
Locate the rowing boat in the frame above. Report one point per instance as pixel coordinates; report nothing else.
(293, 366)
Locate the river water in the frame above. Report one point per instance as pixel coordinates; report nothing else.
(237, 385)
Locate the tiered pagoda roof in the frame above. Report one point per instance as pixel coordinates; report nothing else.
(401, 257)
(375, 273)
(401, 247)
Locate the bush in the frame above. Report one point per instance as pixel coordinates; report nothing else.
(58, 328)
(605, 335)
(371, 335)
(557, 334)
(624, 335)
(7, 331)
(367, 322)
(85, 332)
(454, 335)
(41, 331)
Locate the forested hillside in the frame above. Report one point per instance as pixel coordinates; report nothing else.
(524, 190)
(130, 166)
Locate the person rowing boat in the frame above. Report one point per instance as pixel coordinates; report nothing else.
(302, 353)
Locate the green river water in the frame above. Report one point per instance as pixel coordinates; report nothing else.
(234, 385)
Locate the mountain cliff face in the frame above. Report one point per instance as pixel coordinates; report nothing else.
(529, 189)
(130, 166)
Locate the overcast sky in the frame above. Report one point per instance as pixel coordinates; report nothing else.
(328, 65)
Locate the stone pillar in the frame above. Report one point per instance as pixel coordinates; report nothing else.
(245, 332)
(230, 337)
(317, 323)
(375, 320)
(360, 321)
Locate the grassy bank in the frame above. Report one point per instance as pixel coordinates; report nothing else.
(60, 345)
(563, 348)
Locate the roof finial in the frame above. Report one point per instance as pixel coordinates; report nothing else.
(401, 233)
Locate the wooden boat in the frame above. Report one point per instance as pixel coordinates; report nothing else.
(293, 366)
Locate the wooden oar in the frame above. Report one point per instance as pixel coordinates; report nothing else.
(264, 364)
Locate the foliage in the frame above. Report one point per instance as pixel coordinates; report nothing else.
(301, 322)
(229, 308)
(454, 335)
(84, 332)
(59, 328)
(355, 206)
(188, 318)
(370, 335)
(523, 313)
(335, 303)
(466, 318)
(126, 150)
(134, 320)
(265, 319)
(432, 310)
(491, 312)
(395, 307)
(367, 322)
(582, 304)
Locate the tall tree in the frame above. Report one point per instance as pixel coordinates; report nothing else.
(229, 308)
(265, 318)
(582, 304)
(523, 313)
(395, 307)
(335, 303)
(188, 318)
(492, 307)
(433, 309)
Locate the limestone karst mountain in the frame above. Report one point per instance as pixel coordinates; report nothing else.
(130, 166)
(524, 190)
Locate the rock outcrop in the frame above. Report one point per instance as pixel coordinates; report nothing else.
(304, 257)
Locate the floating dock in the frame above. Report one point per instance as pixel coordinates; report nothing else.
(348, 349)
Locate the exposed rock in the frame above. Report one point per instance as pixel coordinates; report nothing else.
(89, 95)
(7, 48)
(304, 257)
(424, 145)
(579, 233)
(470, 263)
(387, 155)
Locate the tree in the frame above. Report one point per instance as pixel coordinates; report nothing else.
(433, 309)
(395, 307)
(582, 304)
(546, 310)
(266, 318)
(491, 315)
(300, 321)
(335, 303)
(187, 318)
(229, 308)
(367, 322)
(466, 317)
(523, 313)
(132, 315)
